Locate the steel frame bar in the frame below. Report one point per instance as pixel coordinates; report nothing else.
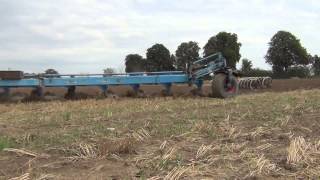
(95, 81)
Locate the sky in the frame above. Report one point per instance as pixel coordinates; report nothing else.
(86, 36)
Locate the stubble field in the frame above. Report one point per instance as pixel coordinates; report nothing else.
(267, 135)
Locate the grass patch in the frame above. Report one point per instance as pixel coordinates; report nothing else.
(6, 142)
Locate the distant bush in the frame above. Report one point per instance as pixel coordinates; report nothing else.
(299, 71)
(256, 72)
(294, 71)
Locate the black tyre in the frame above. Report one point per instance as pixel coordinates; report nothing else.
(220, 87)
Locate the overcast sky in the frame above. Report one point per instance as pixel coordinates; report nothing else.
(85, 36)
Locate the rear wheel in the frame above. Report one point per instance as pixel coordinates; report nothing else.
(224, 87)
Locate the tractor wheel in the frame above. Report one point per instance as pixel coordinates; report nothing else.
(220, 87)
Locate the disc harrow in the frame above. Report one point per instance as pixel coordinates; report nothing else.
(255, 83)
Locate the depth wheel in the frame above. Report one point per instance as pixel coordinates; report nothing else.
(220, 88)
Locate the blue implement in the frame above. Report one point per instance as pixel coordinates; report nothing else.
(210, 65)
(89, 80)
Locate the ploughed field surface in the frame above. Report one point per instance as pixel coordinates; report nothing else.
(268, 135)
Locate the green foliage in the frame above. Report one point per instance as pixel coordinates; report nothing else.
(299, 71)
(278, 72)
(51, 71)
(67, 116)
(135, 63)
(5, 143)
(187, 52)
(159, 59)
(285, 50)
(227, 44)
(173, 59)
(256, 72)
(248, 71)
(246, 65)
(109, 71)
(316, 65)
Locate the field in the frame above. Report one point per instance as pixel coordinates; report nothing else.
(269, 135)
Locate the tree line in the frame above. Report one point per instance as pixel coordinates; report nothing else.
(159, 58)
(286, 55)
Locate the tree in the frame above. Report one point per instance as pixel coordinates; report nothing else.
(246, 66)
(285, 50)
(173, 59)
(316, 65)
(109, 71)
(187, 52)
(300, 71)
(135, 63)
(51, 71)
(227, 44)
(278, 72)
(159, 59)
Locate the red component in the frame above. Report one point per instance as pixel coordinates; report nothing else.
(231, 89)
